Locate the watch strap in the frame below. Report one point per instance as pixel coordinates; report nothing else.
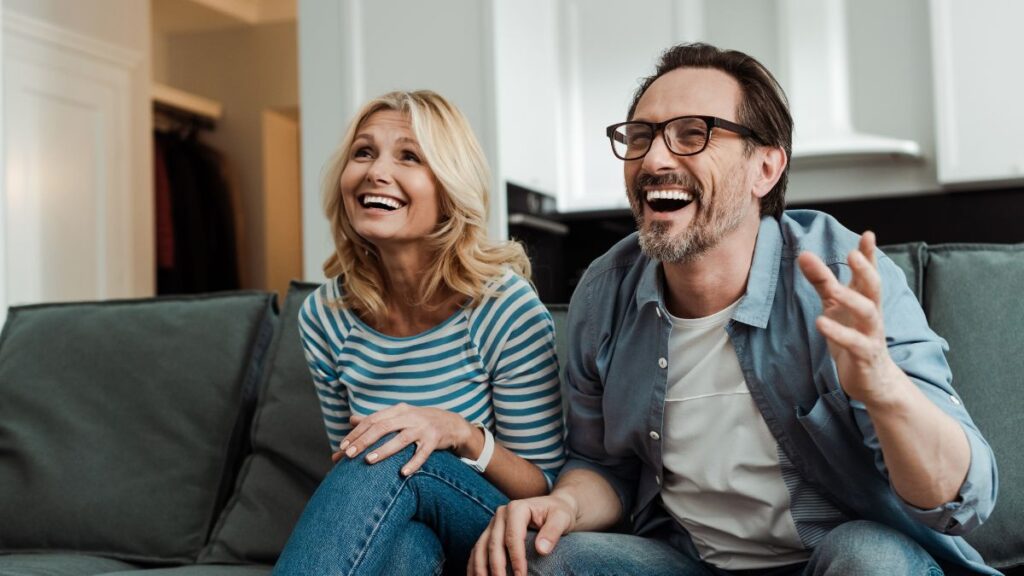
(481, 462)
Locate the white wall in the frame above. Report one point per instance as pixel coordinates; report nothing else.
(247, 69)
(352, 50)
(121, 27)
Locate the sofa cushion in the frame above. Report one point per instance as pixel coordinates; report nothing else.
(122, 422)
(910, 258)
(973, 299)
(58, 565)
(199, 570)
(290, 454)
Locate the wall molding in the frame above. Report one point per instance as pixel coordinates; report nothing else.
(47, 65)
(37, 30)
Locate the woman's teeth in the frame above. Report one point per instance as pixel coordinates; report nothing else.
(369, 201)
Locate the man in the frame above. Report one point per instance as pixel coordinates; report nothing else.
(751, 391)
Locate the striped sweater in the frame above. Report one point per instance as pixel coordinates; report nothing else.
(493, 364)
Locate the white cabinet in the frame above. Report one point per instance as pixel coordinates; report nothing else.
(978, 90)
(607, 45)
(530, 123)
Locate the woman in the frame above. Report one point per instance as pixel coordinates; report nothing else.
(432, 356)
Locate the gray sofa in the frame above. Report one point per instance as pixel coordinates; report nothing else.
(182, 436)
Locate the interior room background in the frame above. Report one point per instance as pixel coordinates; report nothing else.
(170, 146)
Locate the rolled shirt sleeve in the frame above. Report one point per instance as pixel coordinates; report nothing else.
(920, 353)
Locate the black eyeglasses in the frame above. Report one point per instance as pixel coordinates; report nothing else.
(684, 136)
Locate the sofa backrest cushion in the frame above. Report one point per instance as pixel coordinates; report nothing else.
(973, 300)
(910, 258)
(290, 454)
(121, 423)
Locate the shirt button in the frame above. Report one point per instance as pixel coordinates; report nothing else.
(658, 310)
(954, 399)
(657, 479)
(662, 363)
(655, 435)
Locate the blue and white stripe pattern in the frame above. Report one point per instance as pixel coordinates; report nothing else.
(812, 513)
(493, 364)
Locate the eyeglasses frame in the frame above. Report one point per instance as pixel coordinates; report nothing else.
(711, 122)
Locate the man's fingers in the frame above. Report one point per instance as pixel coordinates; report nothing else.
(863, 312)
(555, 525)
(477, 565)
(818, 274)
(519, 515)
(867, 246)
(496, 542)
(845, 337)
(866, 278)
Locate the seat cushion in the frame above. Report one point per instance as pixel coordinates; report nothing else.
(290, 454)
(122, 423)
(199, 570)
(973, 299)
(58, 565)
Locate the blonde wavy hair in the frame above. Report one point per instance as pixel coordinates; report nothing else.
(464, 258)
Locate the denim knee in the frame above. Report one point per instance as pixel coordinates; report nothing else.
(866, 547)
(596, 553)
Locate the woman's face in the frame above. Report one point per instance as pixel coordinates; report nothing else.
(390, 195)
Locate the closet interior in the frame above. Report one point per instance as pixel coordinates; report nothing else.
(225, 109)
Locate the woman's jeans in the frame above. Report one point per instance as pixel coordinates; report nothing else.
(369, 519)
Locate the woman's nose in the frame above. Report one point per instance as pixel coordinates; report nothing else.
(380, 171)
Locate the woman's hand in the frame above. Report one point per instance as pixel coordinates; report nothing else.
(429, 428)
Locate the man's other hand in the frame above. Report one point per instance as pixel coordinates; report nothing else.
(505, 537)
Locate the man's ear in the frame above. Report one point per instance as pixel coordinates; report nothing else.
(771, 164)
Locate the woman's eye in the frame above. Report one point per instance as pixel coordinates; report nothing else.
(363, 152)
(410, 157)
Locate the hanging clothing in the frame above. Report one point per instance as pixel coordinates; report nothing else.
(200, 215)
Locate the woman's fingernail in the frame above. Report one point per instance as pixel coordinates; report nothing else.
(351, 451)
(372, 457)
(343, 445)
(544, 545)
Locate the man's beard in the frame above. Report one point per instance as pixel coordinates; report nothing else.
(710, 223)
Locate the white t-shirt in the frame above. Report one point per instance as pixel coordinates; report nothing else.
(722, 480)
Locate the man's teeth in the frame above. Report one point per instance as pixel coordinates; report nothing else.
(669, 195)
(389, 202)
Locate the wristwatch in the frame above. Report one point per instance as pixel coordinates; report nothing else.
(480, 464)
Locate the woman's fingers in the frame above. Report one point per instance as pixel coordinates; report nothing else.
(424, 448)
(370, 429)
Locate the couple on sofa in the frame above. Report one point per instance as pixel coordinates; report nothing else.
(751, 391)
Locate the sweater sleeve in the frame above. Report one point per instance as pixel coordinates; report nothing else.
(517, 341)
(319, 329)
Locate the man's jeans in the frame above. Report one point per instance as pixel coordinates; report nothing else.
(859, 548)
(369, 519)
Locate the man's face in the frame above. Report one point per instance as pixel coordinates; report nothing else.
(715, 185)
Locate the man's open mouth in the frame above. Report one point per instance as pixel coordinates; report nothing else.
(667, 200)
(382, 202)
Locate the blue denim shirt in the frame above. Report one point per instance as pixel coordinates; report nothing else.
(617, 369)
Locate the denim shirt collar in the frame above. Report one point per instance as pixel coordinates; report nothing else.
(756, 304)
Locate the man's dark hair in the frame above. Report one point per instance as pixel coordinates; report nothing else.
(763, 107)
